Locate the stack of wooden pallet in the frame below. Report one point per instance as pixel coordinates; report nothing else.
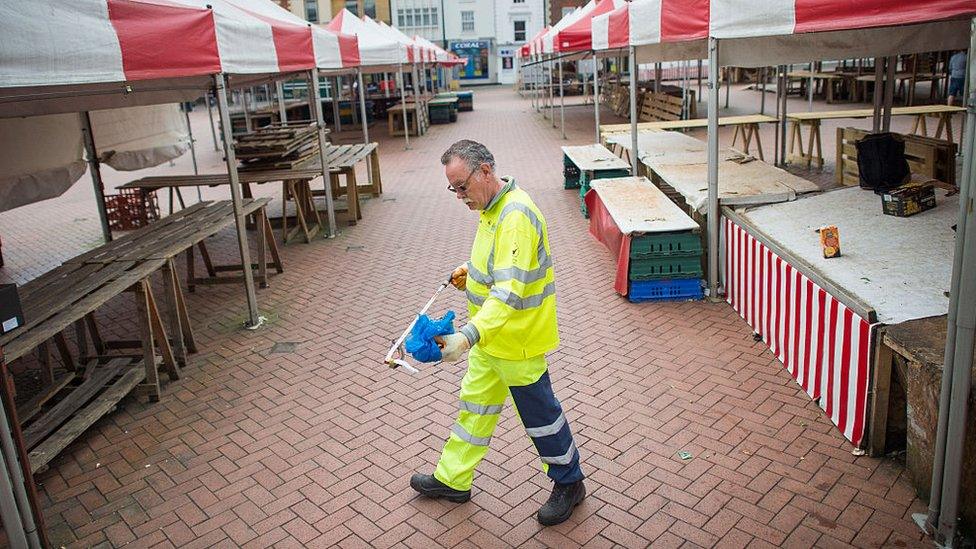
(277, 147)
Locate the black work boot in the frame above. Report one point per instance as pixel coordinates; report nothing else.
(429, 486)
(561, 502)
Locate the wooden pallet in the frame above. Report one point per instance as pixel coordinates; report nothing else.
(926, 156)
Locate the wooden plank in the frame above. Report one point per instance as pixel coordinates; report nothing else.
(637, 206)
(26, 340)
(85, 418)
(687, 124)
(61, 411)
(878, 421)
(30, 408)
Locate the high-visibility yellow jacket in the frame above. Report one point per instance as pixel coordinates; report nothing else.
(510, 283)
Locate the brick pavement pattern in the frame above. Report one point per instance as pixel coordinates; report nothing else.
(315, 447)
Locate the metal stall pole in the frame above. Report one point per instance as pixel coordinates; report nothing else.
(762, 98)
(220, 90)
(336, 117)
(193, 151)
(14, 472)
(13, 522)
(596, 95)
(713, 213)
(362, 112)
(699, 80)
(657, 77)
(878, 93)
(776, 156)
(937, 521)
(782, 111)
(247, 111)
(386, 85)
(728, 80)
(315, 110)
(634, 152)
(552, 101)
(213, 127)
(96, 173)
(891, 67)
(403, 104)
(562, 103)
(282, 111)
(809, 90)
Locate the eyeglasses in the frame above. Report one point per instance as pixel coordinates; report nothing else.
(463, 187)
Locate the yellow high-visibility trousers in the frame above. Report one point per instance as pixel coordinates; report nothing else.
(485, 387)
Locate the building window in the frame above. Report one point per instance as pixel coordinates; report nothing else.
(312, 11)
(567, 11)
(518, 1)
(467, 21)
(417, 17)
(519, 31)
(369, 8)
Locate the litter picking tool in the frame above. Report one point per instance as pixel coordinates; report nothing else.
(397, 348)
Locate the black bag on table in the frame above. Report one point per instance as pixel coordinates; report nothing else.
(881, 161)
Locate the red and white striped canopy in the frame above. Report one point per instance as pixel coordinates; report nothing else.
(53, 42)
(549, 38)
(61, 56)
(534, 45)
(578, 35)
(767, 32)
(376, 47)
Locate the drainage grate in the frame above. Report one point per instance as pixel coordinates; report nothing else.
(391, 199)
(284, 347)
(355, 248)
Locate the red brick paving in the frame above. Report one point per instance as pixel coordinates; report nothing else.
(315, 447)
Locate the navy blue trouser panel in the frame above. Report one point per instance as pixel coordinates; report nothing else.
(546, 425)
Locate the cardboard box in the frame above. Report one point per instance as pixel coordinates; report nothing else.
(908, 200)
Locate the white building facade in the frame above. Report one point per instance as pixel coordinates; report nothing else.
(487, 33)
(516, 21)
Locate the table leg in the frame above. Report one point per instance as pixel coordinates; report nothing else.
(95, 334)
(374, 160)
(795, 137)
(190, 268)
(759, 148)
(188, 338)
(820, 158)
(735, 135)
(284, 212)
(62, 344)
(312, 210)
(170, 301)
(262, 248)
(810, 140)
(146, 335)
(82, 337)
(352, 196)
(159, 332)
(47, 367)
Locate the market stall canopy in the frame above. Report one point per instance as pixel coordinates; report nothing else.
(376, 47)
(99, 54)
(549, 38)
(417, 52)
(770, 32)
(441, 56)
(578, 36)
(534, 45)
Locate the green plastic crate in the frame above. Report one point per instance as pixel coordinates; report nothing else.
(602, 174)
(653, 268)
(571, 174)
(665, 244)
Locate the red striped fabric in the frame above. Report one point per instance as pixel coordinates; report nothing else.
(821, 15)
(684, 20)
(162, 41)
(824, 345)
(293, 43)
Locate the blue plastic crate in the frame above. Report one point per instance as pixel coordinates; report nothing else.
(676, 289)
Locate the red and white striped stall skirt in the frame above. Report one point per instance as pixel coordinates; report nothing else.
(824, 345)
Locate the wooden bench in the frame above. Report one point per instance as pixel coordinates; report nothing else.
(832, 84)
(812, 120)
(746, 126)
(926, 156)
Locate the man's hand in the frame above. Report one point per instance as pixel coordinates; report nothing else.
(453, 346)
(459, 278)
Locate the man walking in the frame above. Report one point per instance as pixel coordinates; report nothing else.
(509, 283)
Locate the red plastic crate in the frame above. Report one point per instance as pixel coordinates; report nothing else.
(131, 209)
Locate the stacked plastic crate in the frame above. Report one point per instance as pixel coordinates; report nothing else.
(571, 174)
(665, 266)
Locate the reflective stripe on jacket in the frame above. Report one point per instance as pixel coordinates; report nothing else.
(511, 286)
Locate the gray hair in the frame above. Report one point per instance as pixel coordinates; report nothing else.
(471, 152)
